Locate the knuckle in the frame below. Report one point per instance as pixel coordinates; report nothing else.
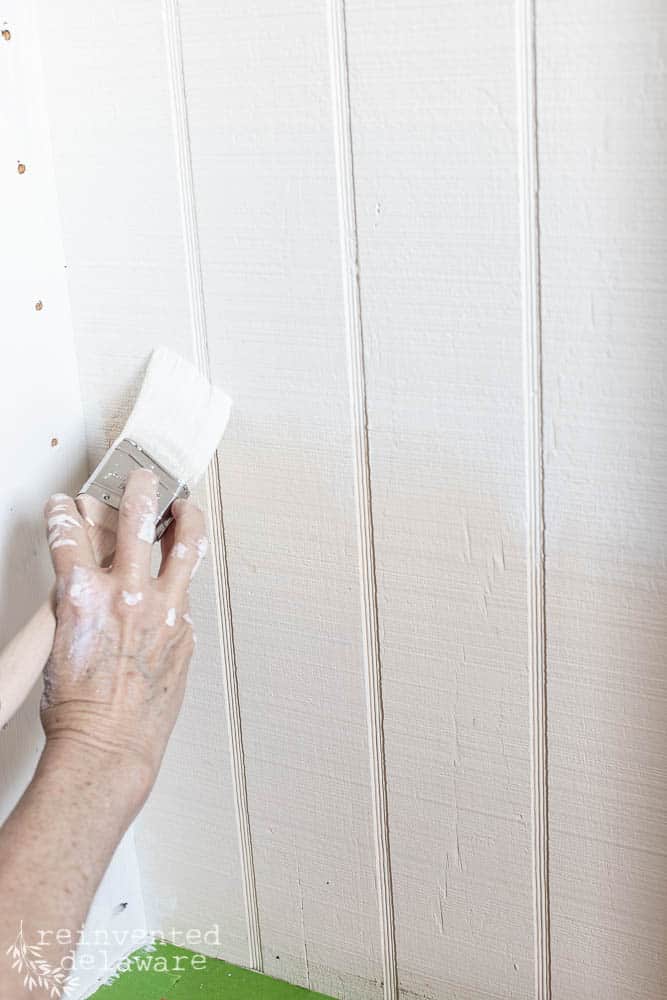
(190, 515)
(171, 617)
(132, 507)
(181, 551)
(131, 600)
(137, 513)
(81, 591)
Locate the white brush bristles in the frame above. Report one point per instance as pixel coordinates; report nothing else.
(179, 417)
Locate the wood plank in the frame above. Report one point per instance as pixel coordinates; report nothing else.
(434, 132)
(603, 148)
(259, 100)
(42, 443)
(117, 175)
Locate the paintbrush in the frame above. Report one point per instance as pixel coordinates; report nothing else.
(173, 430)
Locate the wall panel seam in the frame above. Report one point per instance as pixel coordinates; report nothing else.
(213, 479)
(534, 419)
(338, 51)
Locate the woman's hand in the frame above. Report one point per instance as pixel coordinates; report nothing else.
(115, 679)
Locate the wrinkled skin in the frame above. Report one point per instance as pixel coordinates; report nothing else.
(113, 686)
(116, 675)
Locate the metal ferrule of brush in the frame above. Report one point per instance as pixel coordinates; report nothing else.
(107, 483)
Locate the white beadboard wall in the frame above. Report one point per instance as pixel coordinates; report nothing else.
(111, 123)
(434, 134)
(42, 442)
(602, 88)
(423, 247)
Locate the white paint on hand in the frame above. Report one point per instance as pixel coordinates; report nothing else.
(63, 520)
(80, 591)
(87, 629)
(170, 620)
(131, 599)
(85, 634)
(146, 531)
(188, 619)
(58, 524)
(202, 549)
(179, 551)
(58, 497)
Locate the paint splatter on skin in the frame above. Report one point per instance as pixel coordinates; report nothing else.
(55, 535)
(62, 520)
(58, 525)
(116, 672)
(179, 551)
(81, 591)
(146, 531)
(131, 599)
(86, 628)
(202, 549)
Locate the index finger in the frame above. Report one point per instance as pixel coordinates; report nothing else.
(67, 536)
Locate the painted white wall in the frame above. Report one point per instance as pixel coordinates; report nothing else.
(42, 444)
(603, 141)
(424, 357)
(127, 270)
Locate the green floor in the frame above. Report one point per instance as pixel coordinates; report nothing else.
(167, 973)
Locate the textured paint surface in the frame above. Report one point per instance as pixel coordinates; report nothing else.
(436, 184)
(217, 981)
(127, 279)
(603, 149)
(336, 204)
(42, 443)
(277, 343)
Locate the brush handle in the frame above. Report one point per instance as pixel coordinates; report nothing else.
(23, 658)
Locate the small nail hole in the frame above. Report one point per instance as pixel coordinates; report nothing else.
(6, 34)
(54, 442)
(21, 168)
(39, 305)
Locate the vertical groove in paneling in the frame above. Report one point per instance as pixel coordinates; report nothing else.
(214, 487)
(357, 381)
(532, 337)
